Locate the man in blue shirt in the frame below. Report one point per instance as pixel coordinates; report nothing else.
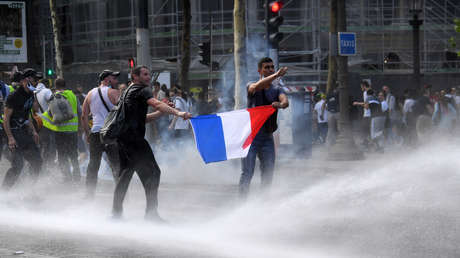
(266, 91)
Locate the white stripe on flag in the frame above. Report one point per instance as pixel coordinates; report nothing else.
(237, 127)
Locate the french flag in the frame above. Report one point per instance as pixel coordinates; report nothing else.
(228, 135)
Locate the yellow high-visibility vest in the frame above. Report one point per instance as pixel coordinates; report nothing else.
(66, 126)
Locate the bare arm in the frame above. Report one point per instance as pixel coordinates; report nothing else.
(35, 106)
(6, 125)
(33, 131)
(164, 108)
(85, 114)
(264, 83)
(323, 108)
(430, 108)
(283, 103)
(114, 96)
(152, 116)
(173, 123)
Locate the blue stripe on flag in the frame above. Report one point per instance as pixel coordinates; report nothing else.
(209, 137)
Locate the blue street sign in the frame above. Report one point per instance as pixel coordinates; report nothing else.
(347, 43)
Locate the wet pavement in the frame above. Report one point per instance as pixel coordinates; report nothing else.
(400, 204)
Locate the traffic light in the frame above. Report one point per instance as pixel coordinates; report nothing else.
(49, 72)
(205, 52)
(273, 20)
(131, 63)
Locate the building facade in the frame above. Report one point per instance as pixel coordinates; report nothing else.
(100, 34)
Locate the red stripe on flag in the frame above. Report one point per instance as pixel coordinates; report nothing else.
(258, 117)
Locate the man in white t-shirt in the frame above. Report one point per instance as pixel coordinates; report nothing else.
(99, 102)
(43, 95)
(180, 126)
(456, 97)
(321, 112)
(366, 122)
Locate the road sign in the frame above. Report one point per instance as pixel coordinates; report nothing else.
(347, 43)
(13, 33)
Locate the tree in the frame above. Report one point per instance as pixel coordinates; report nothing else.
(57, 39)
(185, 45)
(332, 63)
(453, 40)
(345, 148)
(239, 41)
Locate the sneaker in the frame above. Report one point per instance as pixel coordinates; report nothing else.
(116, 217)
(155, 218)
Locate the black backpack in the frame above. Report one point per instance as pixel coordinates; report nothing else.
(114, 124)
(419, 106)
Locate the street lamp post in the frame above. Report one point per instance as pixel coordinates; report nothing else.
(416, 22)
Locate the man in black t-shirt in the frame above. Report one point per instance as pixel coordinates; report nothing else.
(332, 106)
(421, 115)
(266, 91)
(20, 132)
(135, 152)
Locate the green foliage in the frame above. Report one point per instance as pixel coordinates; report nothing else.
(452, 40)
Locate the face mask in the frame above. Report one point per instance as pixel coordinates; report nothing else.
(32, 88)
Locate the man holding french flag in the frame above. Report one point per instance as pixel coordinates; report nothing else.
(246, 133)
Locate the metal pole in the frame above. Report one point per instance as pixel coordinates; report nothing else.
(210, 49)
(44, 54)
(142, 35)
(416, 23)
(267, 34)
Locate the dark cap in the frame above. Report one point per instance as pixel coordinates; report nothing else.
(29, 72)
(18, 76)
(106, 73)
(39, 75)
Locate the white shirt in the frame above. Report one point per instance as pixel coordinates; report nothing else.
(367, 111)
(457, 100)
(43, 96)
(408, 104)
(97, 108)
(182, 105)
(318, 109)
(385, 106)
(161, 95)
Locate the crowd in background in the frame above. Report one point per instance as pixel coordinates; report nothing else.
(387, 120)
(167, 132)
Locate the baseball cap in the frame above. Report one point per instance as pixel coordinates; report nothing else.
(30, 72)
(39, 75)
(106, 73)
(18, 76)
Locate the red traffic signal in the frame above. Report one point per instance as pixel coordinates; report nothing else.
(276, 6)
(131, 63)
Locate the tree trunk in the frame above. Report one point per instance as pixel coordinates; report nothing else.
(332, 63)
(344, 148)
(57, 39)
(185, 45)
(239, 34)
(342, 65)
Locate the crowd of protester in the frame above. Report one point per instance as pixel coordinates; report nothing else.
(387, 120)
(58, 127)
(61, 127)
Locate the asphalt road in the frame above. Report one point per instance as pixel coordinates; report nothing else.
(400, 204)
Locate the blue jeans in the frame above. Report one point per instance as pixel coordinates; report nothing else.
(264, 148)
(322, 130)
